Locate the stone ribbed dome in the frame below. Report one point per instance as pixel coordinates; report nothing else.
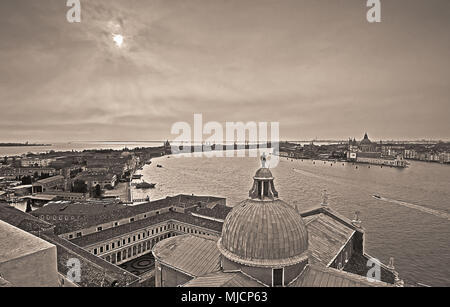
(264, 234)
(264, 173)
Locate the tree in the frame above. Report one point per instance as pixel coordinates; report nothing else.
(97, 191)
(79, 186)
(26, 180)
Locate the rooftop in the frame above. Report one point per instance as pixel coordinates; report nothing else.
(224, 279)
(50, 179)
(193, 255)
(22, 220)
(96, 271)
(326, 237)
(78, 208)
(318, 276)
(16, 243)
(182, 201)
(95, 176)
(139, 224)
(217, 211)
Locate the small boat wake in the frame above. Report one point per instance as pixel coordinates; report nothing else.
(436, 213)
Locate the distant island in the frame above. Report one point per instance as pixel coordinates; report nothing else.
(21, 144)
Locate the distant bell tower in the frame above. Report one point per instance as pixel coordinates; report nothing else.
(167, 148)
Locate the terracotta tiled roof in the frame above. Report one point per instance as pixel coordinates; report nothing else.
(139, 224)
(50, 179)
(317, 276)
(22, 220)
(218, 212)
(130, 211)
(326, 237)
(224, 279)
(264, 233)
(191, 254)
(94, 207)
(96, 272)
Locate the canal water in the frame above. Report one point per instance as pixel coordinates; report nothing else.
(410, 221)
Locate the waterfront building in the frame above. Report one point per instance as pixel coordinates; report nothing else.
(167, 148)
(18, 173)
(368, 152)
(266, 242)
(92, 179)
(36, 162)
(366, 145)
(49, 184)
(377, 158)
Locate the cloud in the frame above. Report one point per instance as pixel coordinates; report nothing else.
(316, 67)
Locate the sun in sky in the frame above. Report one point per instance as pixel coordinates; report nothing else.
(118, 40)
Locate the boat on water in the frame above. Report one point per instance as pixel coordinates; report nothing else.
(137, 176)
(145, 185)
(376, 196)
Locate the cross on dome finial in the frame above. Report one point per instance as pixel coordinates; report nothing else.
(263, 160)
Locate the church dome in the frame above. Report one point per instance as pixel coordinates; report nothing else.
(264, 234)
(263, 173)
(366, 140)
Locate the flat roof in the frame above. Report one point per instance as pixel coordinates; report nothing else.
(16, 243)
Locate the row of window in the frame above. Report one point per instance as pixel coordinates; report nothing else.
(142, 235)
(129, 240)
(57, 217)
(134, 250)
(189, 230)
(100, 228)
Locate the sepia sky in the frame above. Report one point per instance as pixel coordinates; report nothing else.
(317, 67)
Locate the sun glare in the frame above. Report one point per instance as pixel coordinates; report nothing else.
(118, 40)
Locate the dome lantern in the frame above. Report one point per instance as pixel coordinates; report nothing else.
(263, 187)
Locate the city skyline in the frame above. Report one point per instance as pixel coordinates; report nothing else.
(129, 72)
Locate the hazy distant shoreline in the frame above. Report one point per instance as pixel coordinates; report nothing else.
(10, 151)
(22, 145)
